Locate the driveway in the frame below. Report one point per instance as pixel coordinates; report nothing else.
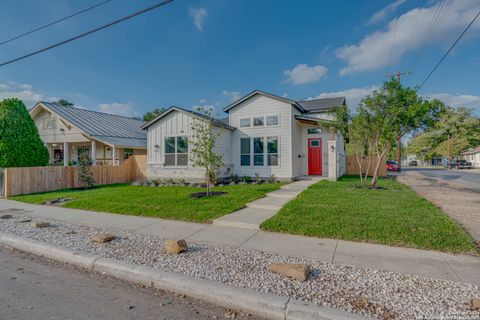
(456, 192)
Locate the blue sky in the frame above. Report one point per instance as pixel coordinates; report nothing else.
(192, 53)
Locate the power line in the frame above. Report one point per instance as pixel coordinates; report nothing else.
(449, 50)
(87, 33)
(410, 38)
(54, 22)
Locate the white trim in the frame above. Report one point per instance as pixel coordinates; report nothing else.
(265, 153)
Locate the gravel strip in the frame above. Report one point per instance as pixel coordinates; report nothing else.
(379, 294)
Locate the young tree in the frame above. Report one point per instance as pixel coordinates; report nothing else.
(359, 144)
(338, 121)
(202, 142)
(150, 115)
(85, 174)
(20, 143)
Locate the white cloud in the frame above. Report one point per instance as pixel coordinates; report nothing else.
(198, 15)
(232, 95)
(458, 100)
(285, 95)
(303, 74)
(122, 109)
(374, 50)
(352, 95)
(24, 92)
(381, 14)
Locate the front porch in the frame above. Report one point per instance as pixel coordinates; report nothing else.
(69, 153)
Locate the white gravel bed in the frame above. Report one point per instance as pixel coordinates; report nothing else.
(379, 294)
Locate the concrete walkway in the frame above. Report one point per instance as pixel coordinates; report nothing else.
(263, 209)
(425, 263)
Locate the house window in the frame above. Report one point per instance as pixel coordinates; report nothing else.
(176, 151)
(272, 121)
(258, 151)
(127, 153)
(258, 122)
(314, 131)
(245, 151)
(245, 123)
(272, 151)
(82, 151)
(49, 123)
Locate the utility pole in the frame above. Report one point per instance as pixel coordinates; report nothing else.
(398, 75)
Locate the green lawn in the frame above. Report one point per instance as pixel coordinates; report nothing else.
(162, 202)
(394, 215)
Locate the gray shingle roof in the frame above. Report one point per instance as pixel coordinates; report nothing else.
(324, 104)
(99, 124)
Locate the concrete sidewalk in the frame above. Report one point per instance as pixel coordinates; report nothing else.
(424, 263)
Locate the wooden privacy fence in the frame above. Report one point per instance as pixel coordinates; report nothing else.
(41, 179)
(353, 168)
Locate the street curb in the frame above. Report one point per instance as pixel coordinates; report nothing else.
(247, 300)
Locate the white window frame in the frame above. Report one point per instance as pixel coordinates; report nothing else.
(49, 120)
(278, 151)
(244, 154)
(258, 126)
(249, 123)
(176, 153)
(257, 154)
(272, 125)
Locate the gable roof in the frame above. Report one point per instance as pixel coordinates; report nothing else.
(102, 126)
(218, 122)
(304, 106)
(472, 151)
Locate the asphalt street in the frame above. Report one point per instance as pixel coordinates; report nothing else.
(463, 179)
(33, 287)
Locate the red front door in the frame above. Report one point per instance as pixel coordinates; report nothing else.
(315, 156)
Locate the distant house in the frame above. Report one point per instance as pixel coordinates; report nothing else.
(69, 132)
(264, 134)
(473, 156)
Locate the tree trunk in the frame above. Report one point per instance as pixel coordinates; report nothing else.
(369, 163)
(377, 168)
(359, 162)
(208, 182)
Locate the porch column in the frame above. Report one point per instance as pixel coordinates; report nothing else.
(94, 152)
(332, 160)
(114, 151)
(50, 154)
(65, 154)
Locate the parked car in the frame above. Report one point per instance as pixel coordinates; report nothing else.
(460, 164)
(392, 166)
(413, 163)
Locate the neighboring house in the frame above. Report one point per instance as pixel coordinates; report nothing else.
(473, 156)
(69, 132)
(264, 134)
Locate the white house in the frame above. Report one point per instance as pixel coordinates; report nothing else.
(473, 156)
(69, 132)
(264, 134)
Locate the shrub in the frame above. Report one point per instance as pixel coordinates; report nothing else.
(247, 179)
(85, 175)
(20, 143)
(272, 178)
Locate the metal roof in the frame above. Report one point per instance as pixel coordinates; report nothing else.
(123, 142)
(319, 105)
(99, 124)
(304, 106)
(217, 122)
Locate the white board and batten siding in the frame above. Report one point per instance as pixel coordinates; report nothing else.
(178, 124)
(262, 106)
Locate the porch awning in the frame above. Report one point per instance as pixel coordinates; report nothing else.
(123, 142)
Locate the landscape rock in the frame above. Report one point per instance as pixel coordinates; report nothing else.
(23, 220)
(102, 237)
(68, 231)
(176, 246)
(294, 271)
(6, 216)
(475, 304)
(40, 224)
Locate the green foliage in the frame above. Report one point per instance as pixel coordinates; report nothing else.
(65, 103)
(149, 116)
(340, 118)
(20, 143)
(202, 138)
(85, 175)
(459, 128)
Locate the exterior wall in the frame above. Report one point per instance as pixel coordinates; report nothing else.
(61, 133)
(303, 142)
(256, 106)
(178, 124)
(474, 158)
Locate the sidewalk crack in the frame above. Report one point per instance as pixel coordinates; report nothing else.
(335, 250)
(458, 276)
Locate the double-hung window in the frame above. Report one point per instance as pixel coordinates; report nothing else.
(245, 151)
(176, 151)
(272, 121)
(272, 151)
(258, 151)
(258, 121)
(244, 123)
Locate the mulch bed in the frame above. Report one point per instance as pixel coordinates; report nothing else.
(204, 194)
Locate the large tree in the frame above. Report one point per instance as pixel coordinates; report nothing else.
(20, 143)
(150, 115)
(391, 112)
